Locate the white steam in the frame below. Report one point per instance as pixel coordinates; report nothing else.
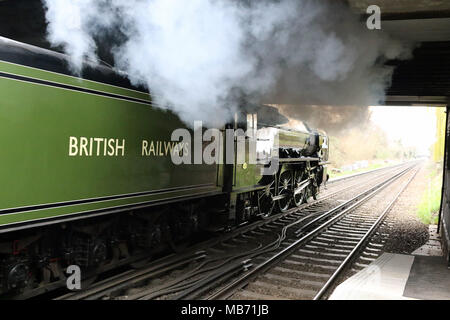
(67, 28)
(201, 57)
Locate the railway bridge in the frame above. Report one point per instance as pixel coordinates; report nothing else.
(423, 80)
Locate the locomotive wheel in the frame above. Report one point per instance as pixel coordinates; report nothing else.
(285, 183)
(299, 198)
(265, 200)
(176, 243)
(311, 193)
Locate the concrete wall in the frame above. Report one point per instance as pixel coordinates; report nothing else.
(401, 6)
(445, 209)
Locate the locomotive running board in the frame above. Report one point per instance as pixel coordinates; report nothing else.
(282, 160)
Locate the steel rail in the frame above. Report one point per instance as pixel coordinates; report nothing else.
(355, 199)
(132, 276)
(356, 175)
(273, 246)
(243, 280)
(193, 292)
(362, 242)
(194, 289)
(110, 284)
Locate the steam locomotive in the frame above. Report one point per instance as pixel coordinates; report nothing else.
(88, 179)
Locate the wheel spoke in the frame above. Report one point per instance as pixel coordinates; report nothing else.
(285, 188)
(265, 200)
(299, 198)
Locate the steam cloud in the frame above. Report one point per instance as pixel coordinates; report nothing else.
(201, 57)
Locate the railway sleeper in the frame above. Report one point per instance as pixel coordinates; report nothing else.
(345, 228)
(288, 271)
(326, 249)
(273, 289)
(322, 253)
(291, 282)
(361, 265)
(369, 259)
(313, 260)
(359, 218)
(359, 225)
(346, 233)
(250, 295)
(370, 254)
(377, 245)
(339, 241)
(372, 249)
(332, 245)
(311, 267)
(334, 235)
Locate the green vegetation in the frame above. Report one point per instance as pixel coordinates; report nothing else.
(368, 143)
(428, 208)
(365, 143)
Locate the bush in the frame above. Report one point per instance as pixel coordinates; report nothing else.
(428, 208)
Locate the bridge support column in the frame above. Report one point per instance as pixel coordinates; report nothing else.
(444, 217)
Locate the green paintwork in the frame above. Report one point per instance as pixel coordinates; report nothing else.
(100, 205)
(247, 175)
(36, 122)
(70, 80)
(292, 139)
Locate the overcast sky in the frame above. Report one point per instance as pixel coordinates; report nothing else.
(415, 126)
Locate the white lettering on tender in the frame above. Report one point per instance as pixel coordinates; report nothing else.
(96, 147)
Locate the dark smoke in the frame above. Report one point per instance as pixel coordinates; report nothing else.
(333, 119)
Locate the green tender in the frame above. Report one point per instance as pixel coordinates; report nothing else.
(37, 169)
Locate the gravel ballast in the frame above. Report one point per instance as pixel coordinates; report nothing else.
(406, 232)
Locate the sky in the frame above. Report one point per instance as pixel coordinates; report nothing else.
(414, 126)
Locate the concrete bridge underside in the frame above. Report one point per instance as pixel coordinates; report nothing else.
(424, 80)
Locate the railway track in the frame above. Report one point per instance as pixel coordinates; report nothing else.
(310, 266)
(234, 255)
